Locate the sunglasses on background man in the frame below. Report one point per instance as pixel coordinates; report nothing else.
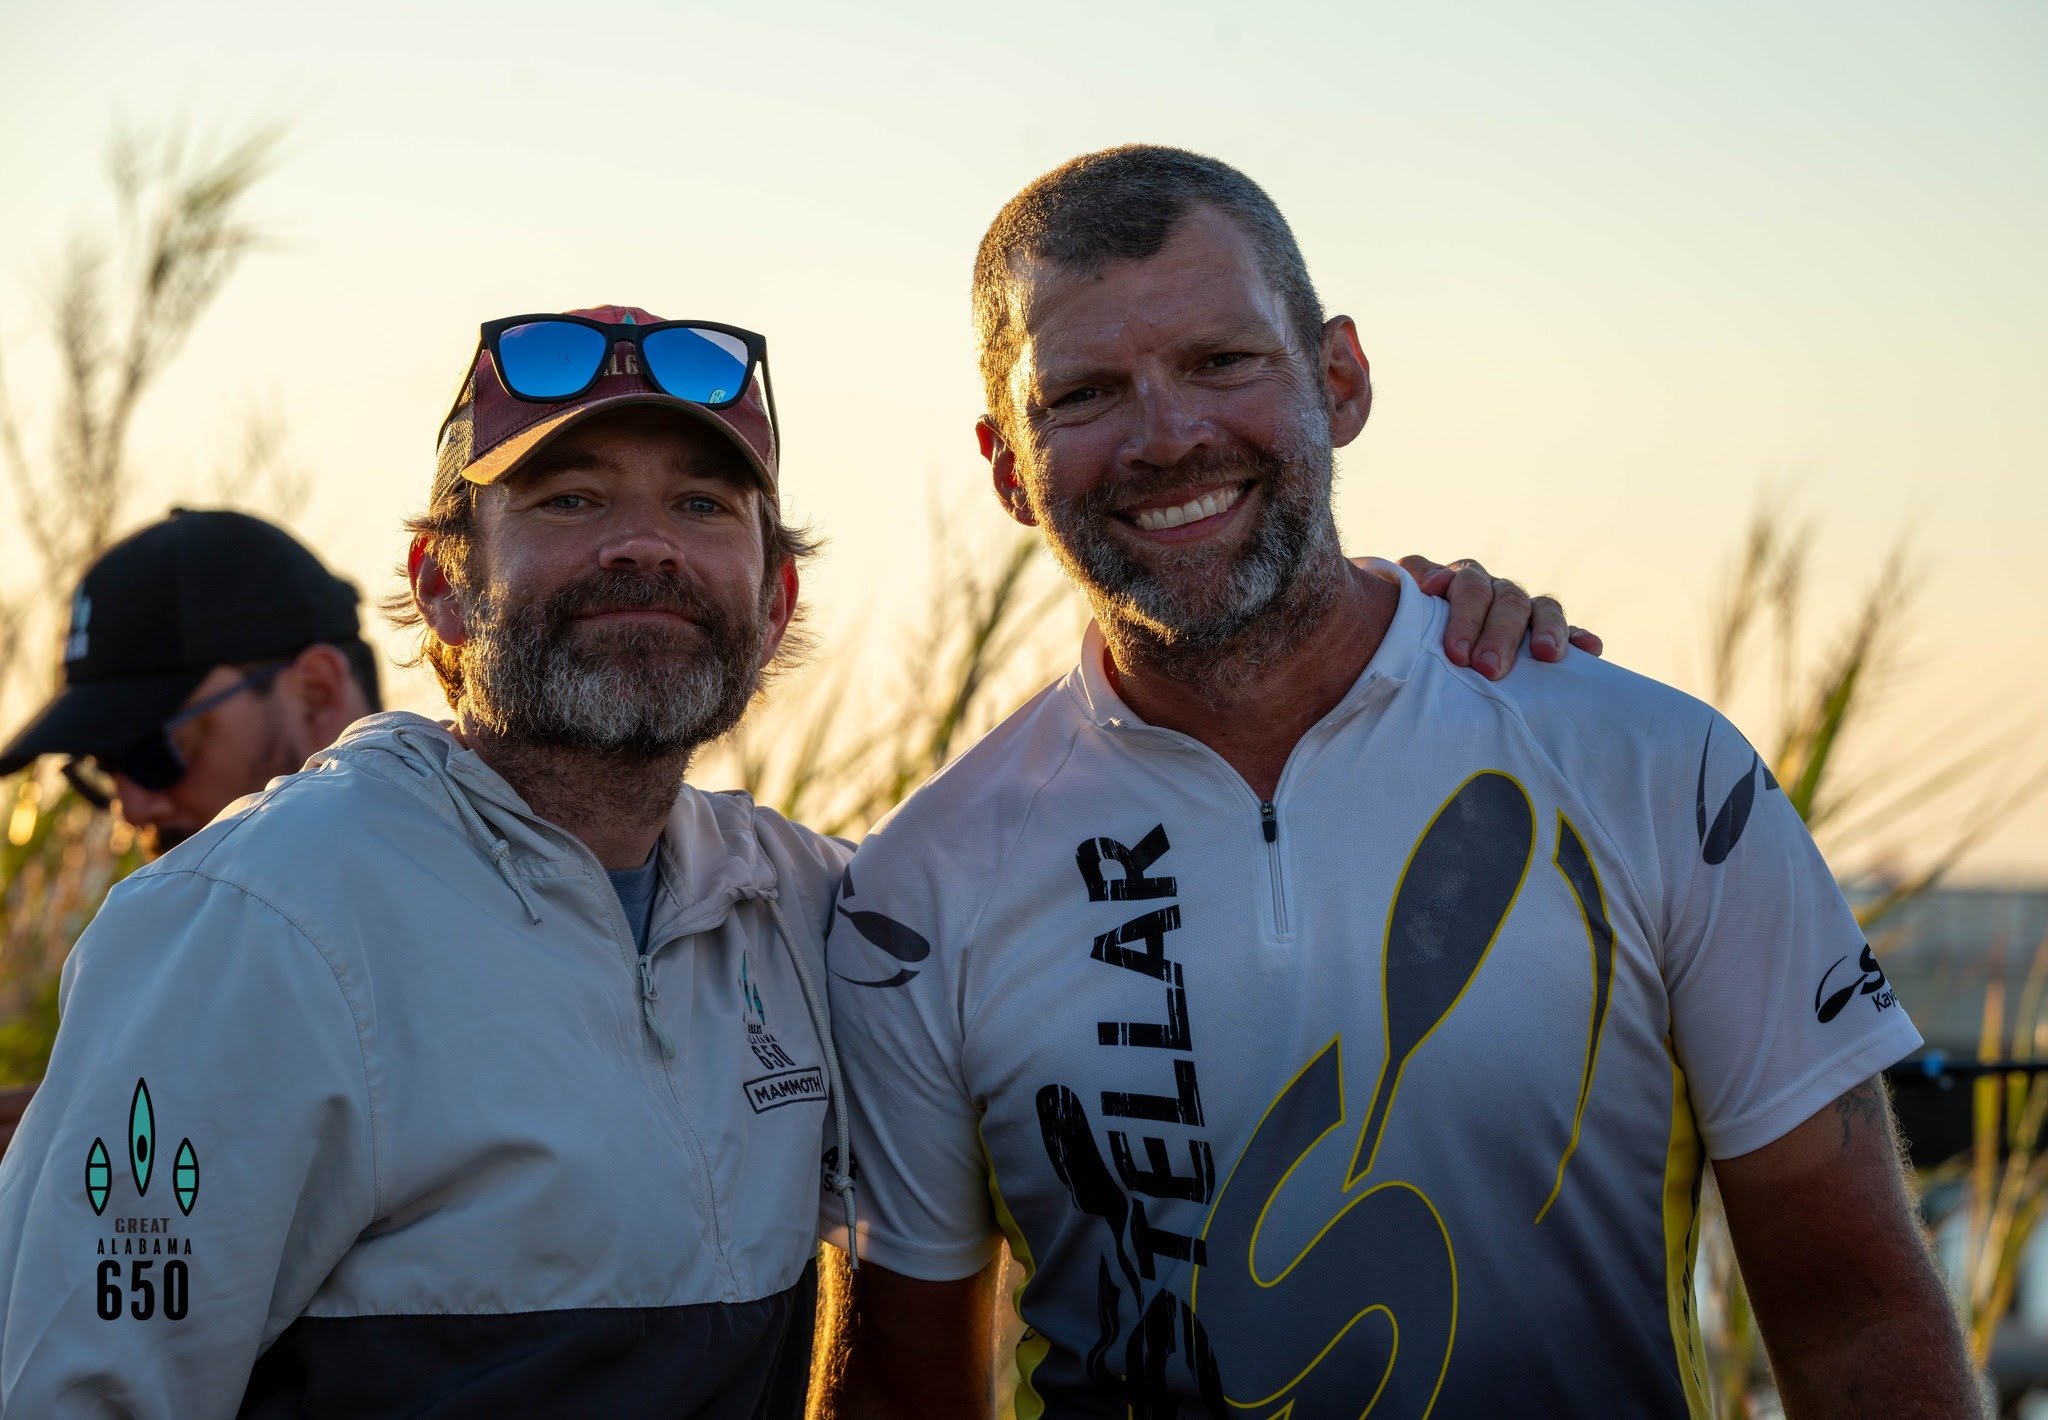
(154, 761)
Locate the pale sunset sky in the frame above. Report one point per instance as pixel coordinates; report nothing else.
(1618, 267)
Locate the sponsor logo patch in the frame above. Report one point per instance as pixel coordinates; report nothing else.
(1868, 981)
(133, 1288)
(905, 945)
(788, 1087)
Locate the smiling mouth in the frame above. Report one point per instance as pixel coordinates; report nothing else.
(1209, 505)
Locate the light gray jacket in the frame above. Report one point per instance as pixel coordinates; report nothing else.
(364, 1095)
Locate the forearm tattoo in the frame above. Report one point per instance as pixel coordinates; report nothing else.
(1864, 1105)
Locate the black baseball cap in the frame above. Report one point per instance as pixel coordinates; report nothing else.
(161, 609)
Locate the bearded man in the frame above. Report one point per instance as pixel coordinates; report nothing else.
(1331, 1030)
(481, 1068)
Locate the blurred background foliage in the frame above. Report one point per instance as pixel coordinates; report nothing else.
(997, 622)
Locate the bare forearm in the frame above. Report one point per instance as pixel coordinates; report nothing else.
(1894, 1356)
(890, 1346)
(1852, 1307)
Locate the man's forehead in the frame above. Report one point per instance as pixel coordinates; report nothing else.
(1206, 279)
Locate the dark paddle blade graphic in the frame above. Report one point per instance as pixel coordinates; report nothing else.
(1575, 862)
(1718, 840)
(903, 943)
(1455, 893)
(1070, 1145)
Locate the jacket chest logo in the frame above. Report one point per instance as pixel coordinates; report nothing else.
(788, 1082)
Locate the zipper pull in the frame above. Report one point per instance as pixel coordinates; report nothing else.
(1269, 820)
(648, 996)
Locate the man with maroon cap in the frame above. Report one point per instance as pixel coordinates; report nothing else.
(488, 1058)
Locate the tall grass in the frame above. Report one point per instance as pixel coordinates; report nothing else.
(977, 650)
(57, 859)
(127, 293)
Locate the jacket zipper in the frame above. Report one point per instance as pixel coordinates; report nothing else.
(648, 996)
(664, 1046)
(1269, 824)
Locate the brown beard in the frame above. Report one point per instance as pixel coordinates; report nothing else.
(535, 674)
(1188, 613)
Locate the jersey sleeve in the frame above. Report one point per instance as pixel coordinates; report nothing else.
(1778, 1004)
(197, 1160)
(920, 1178)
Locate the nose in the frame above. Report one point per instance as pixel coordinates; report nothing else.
(1167, 426)
(640, 538)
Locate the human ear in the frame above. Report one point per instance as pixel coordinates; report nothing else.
(1002, 465)
(317, 686)
(1347, 380)
(434, 595)
(781, 609)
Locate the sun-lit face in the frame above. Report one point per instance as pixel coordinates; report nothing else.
(619, 600)
(1172, 443)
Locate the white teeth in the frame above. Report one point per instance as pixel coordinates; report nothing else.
(1206, 506)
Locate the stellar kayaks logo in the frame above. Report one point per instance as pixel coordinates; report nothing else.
(99, 1171)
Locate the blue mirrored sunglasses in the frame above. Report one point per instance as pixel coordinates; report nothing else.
(546, 358)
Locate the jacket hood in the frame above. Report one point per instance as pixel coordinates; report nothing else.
(711, 855)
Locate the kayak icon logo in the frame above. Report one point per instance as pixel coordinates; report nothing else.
(99, 1168)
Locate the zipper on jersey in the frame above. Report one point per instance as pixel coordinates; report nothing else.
(1269, 824)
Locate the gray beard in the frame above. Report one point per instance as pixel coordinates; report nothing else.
(1188, 615)
(534, 675)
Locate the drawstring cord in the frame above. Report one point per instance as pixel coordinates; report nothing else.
(840, 1181)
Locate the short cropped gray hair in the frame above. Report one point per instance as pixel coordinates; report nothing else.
(1122, 204)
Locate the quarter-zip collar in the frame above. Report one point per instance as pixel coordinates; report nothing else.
(1392, 663)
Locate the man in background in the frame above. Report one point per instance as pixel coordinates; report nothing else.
(208, 654)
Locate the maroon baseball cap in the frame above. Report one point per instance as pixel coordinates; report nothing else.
(490, 432)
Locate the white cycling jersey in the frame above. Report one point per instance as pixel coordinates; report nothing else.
(1391, 1094)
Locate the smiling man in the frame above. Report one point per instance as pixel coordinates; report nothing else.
(1328, 1028)
(482, 1068)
